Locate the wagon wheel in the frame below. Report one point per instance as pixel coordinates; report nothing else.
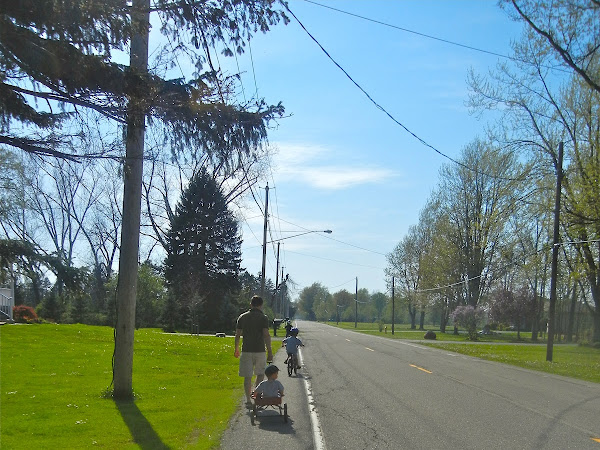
(285, 414)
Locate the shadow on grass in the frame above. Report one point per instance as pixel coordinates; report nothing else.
(141, 430)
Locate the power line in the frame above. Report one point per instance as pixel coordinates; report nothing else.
(385, 111)
(253, 71)
(336, 240)
(435, 38)
(336, 260)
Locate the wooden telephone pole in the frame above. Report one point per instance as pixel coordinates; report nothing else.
(132, 197)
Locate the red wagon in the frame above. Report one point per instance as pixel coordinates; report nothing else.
(264, 403)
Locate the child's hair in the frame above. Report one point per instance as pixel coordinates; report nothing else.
(271, 369)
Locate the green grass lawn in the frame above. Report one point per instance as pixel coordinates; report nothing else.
(53, 378)
(568, 360)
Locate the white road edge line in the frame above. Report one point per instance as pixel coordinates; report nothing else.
(318, 440)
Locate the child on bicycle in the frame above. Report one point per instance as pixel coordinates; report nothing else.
(291, 346)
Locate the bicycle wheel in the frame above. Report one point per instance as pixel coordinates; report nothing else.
(290, 366)
(285, 414)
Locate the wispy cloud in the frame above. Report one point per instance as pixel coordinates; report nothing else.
(313, 165)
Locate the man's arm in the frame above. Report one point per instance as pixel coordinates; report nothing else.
(267, 337)
(238, 333)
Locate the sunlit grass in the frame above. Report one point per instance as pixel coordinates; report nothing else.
(568, 360)
(53, 378)
(403, 331)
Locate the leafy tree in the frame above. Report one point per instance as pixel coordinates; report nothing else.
(478, 197)
(512, 307)
(569, 28)
(404, 263)
(310, 298)
(151, 296)
(204, 256)
(343, 303)
(468, 317)
(541, 113)
(379, 301)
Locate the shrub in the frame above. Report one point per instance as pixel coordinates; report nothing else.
(468, 317)
(24, 314)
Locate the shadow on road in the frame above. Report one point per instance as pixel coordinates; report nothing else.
(275, 423)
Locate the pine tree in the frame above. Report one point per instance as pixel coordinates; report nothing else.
(204, 255)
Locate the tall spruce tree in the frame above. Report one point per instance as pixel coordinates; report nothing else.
(204, 256)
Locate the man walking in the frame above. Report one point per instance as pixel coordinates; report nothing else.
(254, 326)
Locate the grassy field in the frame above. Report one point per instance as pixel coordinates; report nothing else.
(568, 360)
(53, 378)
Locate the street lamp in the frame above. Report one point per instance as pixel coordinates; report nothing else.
(264, 255)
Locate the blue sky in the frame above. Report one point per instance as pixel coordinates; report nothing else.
(339, 162)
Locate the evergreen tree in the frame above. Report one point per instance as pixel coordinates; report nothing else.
(204, 255)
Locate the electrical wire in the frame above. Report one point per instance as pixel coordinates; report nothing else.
(428, 36)
(385, 111)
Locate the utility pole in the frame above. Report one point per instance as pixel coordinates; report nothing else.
(393, 306)
(282, 299)
(276, 305)
(356, 304)
(264, 254)
(555, 245)
(132, 196)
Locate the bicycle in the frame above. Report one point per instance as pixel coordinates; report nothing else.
(292, 364)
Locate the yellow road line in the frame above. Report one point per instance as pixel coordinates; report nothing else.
(370, 349)
(420, 368)
(596, 439)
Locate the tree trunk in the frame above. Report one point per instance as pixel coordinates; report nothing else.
(596, 333)
(132, 196)
(412, 312)
(537, 312)
(422, 320)
(443, 319)
(572, 312)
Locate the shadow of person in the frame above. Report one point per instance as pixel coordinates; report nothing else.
(141, 430)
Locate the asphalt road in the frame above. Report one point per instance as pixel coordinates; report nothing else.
(377, 393)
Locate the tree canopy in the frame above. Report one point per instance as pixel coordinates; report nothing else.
(43, 41)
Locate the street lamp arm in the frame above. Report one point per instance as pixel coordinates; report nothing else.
(300, 234)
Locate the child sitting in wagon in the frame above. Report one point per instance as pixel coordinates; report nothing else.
(270, 389)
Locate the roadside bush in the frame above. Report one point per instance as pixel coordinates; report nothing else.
(468, 317)
(24, 314)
